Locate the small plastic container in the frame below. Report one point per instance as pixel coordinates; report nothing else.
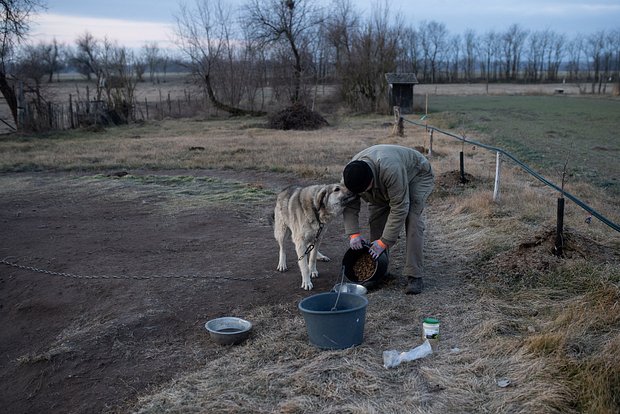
(431, 329)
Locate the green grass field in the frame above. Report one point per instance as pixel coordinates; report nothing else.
(545, 132)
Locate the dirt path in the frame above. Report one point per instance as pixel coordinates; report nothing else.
(95, 345)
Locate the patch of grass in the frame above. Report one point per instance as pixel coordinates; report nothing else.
(586, 336)
(543, 131)
(544, 344)
(206, 190)
(573, 334)
(224, 144)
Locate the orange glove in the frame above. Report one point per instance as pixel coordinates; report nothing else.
(376, 248)
(356, 241)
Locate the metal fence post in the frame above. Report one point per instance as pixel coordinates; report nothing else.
(430, 144)
(559, 231)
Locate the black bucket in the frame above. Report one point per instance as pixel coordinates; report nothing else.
(376, 272)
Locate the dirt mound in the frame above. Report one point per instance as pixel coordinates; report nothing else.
(298, 117)
(537, 255)
(451, 182)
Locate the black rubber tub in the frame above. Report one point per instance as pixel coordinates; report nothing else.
(374, 271)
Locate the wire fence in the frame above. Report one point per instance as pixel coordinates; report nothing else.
(78, 113)
(521, 164)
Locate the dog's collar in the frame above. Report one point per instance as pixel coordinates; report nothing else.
(318, 216)
(316, 211)
(316, 238)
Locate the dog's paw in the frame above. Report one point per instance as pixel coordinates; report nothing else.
(322, 258)
(282, 268)
(314, 274)
(306, 286)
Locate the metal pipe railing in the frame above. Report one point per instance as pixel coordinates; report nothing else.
(528, 169)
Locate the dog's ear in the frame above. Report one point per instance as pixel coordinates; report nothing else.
(319, 200)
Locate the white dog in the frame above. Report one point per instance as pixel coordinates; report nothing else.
(306, 211)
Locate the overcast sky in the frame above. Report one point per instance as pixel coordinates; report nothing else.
(134, 22)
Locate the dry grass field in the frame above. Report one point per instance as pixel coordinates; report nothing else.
(522, 330)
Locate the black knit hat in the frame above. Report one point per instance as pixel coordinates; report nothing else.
(357, 176)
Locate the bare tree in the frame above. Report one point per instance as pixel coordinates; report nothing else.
(286, 22)
(434, 42)
(139, 67)
(14, 27)
(150, 54)
(512, 47)
(203, 36)
(595, 49)
(453, 58)
(614, 44)
(51, 56)
(340, 27)
(119, 81)
(471, 51)
(410, 51)
(555, 55)
(574, 51)
(254, 61)
(374, 51)
(88, 55)
(535, 56)
(116, 71)
(31, 64)
(489, 51)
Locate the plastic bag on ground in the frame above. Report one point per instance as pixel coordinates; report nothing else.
(392, 359)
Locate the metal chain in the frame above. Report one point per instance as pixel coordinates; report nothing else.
(311, 246)
(74, 276)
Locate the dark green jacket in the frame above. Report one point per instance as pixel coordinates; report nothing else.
(394, 168)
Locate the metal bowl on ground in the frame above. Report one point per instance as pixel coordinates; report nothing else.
(228, 330)
(354, 288)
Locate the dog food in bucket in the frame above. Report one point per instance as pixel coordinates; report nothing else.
(360, 267)
(364, 267)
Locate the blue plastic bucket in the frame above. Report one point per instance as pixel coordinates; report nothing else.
(334, 329)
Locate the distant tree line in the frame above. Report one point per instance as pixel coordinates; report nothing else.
(281, 51)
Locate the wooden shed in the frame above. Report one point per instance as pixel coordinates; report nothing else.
(400, 90)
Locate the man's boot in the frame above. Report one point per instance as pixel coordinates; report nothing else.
(414, 285)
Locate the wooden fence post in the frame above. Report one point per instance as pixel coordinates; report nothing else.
(50, 115)
(398, 122)
(498, 163)
(161, 106)
(462, 165)
(71, 112)
(21, 106)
